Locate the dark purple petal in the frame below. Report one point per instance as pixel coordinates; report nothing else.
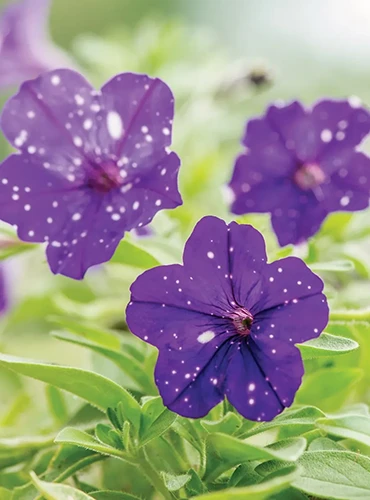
(261, 381)
(191, 382)
(296, 130)
(247, 388)
(143, 232)
(257, 190)
(146, 117)
(342, 125)
(247, 255)
(297, 223)
(206, 258)
(100, 158)
(286, 280)
(40, 204)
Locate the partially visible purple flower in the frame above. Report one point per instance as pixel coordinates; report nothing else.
(301, 164)
(143, 232)
(25, 47)
(225, 322)
(4, 293)
(92, 164)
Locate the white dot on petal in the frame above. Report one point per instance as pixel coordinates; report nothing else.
(27, 208)
(31, 150)
(149, 138)
(210, 255)
(109, 208)
(136, 205)
(271, 279)
(116, 217)
(31, 233)
(344, 201)
(114, 124)
(49, 220)
(77, 141)
(76, 216)
(158, 203)
(79, 100)
(326, 135)
(206, 337)
(163, 171)
(4, 181)
(251, 387)
(55, 80)
(144, 129)
(88, 124)
(251, 401)
(166, 131)
(280, 270)
(354, 101)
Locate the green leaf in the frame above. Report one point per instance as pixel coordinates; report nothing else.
(131, 255)
(5, 494)
(334, 474)
(57, 404)
(245, 475)
(326, 345)
(195, 486)
(112, 495)
(13, 248)
(175, 483)
(298, 420)
(228, 424)
(224, 452)
(325, 444)
(127, 363)
(96, 389)
(356, 427)
(88, 331)
(259, 491)
(80, 438)
(156, 419)
(329, 387)
(339, 266)
(58, 491)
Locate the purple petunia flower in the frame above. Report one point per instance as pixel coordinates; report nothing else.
(92, 164)
(4, 295)
(25, 48)
(301, 164)
(225, 322)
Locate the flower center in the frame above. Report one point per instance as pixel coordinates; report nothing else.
(242, 320)
(105, 177)
(308, 176)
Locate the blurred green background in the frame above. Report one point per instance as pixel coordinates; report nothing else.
(210, 52)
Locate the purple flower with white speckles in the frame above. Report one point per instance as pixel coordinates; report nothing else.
(25, 48)
(92, 164)
(225, 322)
(301, 164)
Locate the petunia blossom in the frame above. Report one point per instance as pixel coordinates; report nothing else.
(92, 164)
(25, 47)
(226, 322)
(301, 163)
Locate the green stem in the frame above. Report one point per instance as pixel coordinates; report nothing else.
(350, 315)
(153, 476)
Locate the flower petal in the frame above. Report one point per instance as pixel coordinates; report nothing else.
(247, 388)
(206, 259)
(247, 255)
(34, 199)
(259, 191)
(191, 383)
(145, 106)
(297, 223)
(296, 129)
(276, 377)
(343, 124)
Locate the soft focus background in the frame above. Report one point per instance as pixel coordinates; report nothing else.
(225, 60)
